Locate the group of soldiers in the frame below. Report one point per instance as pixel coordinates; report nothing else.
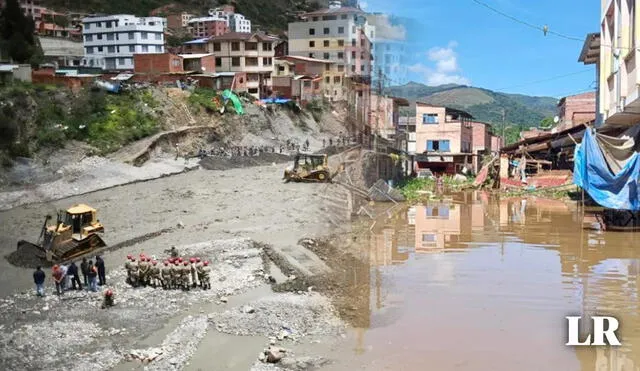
(173, 273)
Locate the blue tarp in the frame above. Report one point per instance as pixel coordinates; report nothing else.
(276, 100)
(591, 173)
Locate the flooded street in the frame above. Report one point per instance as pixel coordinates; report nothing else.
(477, 283)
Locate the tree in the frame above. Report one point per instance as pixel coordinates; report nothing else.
(547, 123)
(17, 39)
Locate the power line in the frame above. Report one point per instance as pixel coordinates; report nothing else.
(544, 29)
(546, 80)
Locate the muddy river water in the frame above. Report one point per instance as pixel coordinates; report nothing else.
(472, 282)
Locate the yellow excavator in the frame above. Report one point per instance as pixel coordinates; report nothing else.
(308, 168)
(75, 233)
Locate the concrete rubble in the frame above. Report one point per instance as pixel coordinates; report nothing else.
(272, 318)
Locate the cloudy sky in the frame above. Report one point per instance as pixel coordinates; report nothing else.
(461, 41)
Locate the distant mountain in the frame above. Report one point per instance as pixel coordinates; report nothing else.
(485, 105)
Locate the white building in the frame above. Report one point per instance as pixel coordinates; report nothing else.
(115, 38)
(235, 21)
(238, 23)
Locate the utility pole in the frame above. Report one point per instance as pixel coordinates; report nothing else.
(377, 131)
(504, 123)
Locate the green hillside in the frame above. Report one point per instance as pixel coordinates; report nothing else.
(485, 105)
(272, 15)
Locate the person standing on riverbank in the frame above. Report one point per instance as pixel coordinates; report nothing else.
(73, 273)
(84, 268)
(58, 277)
(38, 279)
(102, 280)
(93, 277)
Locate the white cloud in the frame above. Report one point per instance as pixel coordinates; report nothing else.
(443, 67)
(384, 28)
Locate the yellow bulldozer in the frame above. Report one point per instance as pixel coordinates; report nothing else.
(74, 234)
(308, 168)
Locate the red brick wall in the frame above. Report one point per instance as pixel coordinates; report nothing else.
(174, 21)
(578, 109)
(481, 139)
(72, 82)
(209, 63)
(156, 63)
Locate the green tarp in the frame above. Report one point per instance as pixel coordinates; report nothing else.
(228, 94)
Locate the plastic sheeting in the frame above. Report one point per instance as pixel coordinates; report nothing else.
(610, 187)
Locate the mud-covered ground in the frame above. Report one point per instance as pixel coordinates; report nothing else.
(230, 217)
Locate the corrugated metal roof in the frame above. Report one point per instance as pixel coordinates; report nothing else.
(197, 41)
(7, 67)
(194, 56)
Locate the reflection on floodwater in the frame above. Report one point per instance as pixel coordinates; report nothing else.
(480, 283)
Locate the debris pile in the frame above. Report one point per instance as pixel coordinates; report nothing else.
(271, 317)
(380, 191)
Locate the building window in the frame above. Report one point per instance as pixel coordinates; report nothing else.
(327, 67)
(99, 36)
(235, 46)
(327, 80)
(344, 16)
(111, 49)
(340, 68)
(437, 211)
(312, 31)
(110, 37)
(253, 90)
(132, 48)
(251, 61)
(145, 48)
(438, 146)
(158, 36)
(326, 30)
(88, 38)
(428, 239)
(216, 47)
(306, 84)
(267, 46)
(131, 35)
(353, 55)
(235, 61)
(353, 68)
(325, 55)
(312, 44)
(280, 68)
(311, 55)
(315, 19)
(251, 46)
(362, 68)
(340, 30)
(353, 42)
(121, 61)
(143, 35)
(336, 79)
(99, 49)
(98, 24)
(107, 24)
(340, 55)
(218, 62)
(329, 17)
(89, 50)
(325, 43)
(340, 42)
(266, 61)
(429, 118)
(87, 26)
(175, 62)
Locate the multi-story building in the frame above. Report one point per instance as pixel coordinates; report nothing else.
(244, 52)
(389, 49)
(385, 117)
(179, 20)
(299, 78)
(444, 138)
(116, 38)
(619, 77)
(339, 34)
(481, 142)
(407, 125)
(235, 21)
(208, 26)
(576, 109)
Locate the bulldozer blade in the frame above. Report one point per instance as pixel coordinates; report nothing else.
(31, 248)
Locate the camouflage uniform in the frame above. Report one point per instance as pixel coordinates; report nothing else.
(127, 267)
(177, 275)
(154, 274)
(134, 274)
(166, 276)
(143, 272)
(205, 277)
(186, 276)
(194, 275)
